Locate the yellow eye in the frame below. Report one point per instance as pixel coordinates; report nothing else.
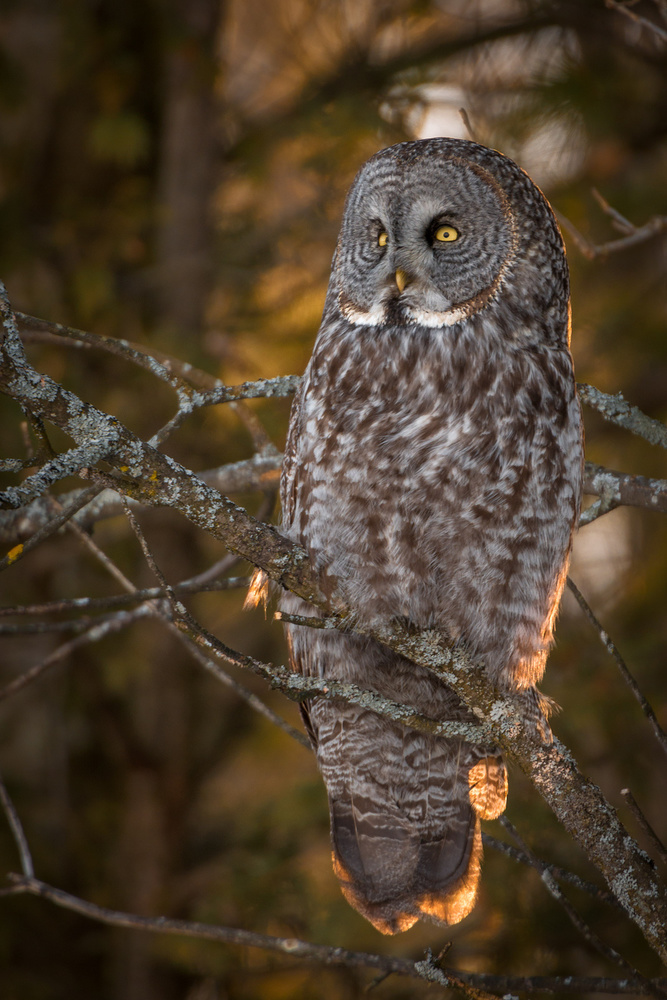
(446, 234)
(383, 239)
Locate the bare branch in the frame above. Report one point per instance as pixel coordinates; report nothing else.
(297, 687)
(603, 505)
(260, 473)
(120, 348)
(16, 827)
(645, 826)
(180, 375)
(194, 586)
(624, 8)
(559, 873)
(591, 251)
(106, 626)
(620, 412)
(324, 955)
(612, 649)
(577, 921)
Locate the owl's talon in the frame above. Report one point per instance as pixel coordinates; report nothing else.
(535, 709)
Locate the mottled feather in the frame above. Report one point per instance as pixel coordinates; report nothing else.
(433, 472)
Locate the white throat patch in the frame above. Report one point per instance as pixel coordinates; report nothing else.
(421, 317)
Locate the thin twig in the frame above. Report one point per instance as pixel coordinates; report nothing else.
(196, 585)
(48, 529)
(148, 555)
(173, 371)
(262, 443)
(102, 557)
(209, 576)
(16, 827)
(591, 251)
(645, 826)
(577, 921)
(620, 222)
(465, 118)
(651, 26)
(256, 703)
(120, 348)
(114, 623)
(75, 625)
(310, 621)
(562, 874)
(612, 649)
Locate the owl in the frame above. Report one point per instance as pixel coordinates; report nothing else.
(433, 474)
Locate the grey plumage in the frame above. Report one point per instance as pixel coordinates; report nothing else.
(433, 472)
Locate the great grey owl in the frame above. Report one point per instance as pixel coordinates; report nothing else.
(433, 472)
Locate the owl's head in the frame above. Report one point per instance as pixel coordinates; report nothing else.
(433, 231)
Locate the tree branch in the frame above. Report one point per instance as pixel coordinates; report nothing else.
(146, 475)
(613, 651)
(624, 8)
(324, 955)
(261, 474)
(619, 411)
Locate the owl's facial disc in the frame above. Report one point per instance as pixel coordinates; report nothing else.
(425, 246)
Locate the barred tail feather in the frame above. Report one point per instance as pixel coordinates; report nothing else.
(411, 849)
(394, 878)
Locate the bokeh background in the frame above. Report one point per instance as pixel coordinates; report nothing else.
(172, 172)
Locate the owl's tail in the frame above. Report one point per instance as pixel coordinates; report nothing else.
(414, 852)
(405, 806)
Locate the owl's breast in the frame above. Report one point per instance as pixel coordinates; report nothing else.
(433, 485)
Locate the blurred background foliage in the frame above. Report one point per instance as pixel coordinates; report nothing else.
(173, 172)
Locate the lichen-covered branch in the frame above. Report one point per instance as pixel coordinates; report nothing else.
(194, 387)
(143, 473)
(625, 490)
(619, 411)
(324, 955)
(261, 473)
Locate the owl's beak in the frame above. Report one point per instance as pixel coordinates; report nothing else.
(401, 279)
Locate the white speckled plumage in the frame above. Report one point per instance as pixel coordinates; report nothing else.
(433, 472)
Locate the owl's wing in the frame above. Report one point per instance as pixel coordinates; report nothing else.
(288, 478)
(258, 591)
